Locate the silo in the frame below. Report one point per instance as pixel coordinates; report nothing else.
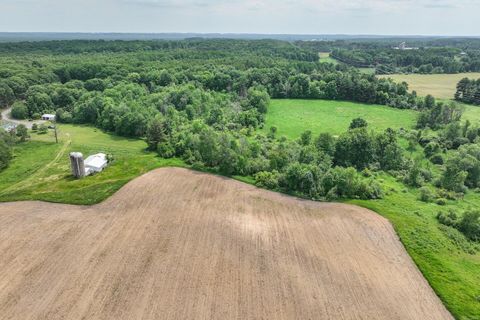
(77, 164)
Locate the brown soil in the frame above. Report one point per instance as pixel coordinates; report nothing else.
(176, 244)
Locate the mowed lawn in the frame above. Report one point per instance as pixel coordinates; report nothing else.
(292, 117)
(442, 86)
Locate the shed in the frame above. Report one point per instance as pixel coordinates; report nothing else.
(48, 116)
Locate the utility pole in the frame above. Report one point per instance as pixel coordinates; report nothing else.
(55, 128)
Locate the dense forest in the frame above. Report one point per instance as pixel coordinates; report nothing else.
(468, 91)
(426, 57)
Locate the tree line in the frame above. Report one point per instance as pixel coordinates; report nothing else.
(468, 91)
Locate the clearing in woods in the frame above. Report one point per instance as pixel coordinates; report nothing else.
(177, 244)
(442, 86)
(294, 116)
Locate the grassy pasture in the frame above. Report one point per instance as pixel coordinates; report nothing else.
(472, 113)
(41, 168)
(442, 86)
(292, 117)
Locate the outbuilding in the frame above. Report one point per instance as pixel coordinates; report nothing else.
(95, 163)
(48, 117)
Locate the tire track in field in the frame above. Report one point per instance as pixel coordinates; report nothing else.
(30, 181)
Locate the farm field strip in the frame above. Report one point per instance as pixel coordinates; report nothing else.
(442, 86)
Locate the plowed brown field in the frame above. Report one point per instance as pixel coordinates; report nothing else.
(176, 244)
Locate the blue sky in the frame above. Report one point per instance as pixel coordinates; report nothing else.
(396, 17)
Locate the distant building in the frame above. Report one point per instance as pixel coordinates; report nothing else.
(48, 117)
(403, 46)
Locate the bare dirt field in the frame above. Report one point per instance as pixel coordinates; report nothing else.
(176, 244)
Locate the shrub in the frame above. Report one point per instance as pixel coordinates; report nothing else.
(266, 179)
(449, 218)
(347, 183)
(43, 129)
(19, 111)
(470, 225)
(165, 150)
(5, 149)
(441, 201)
(358, 123)
(414, 176)
(437, 159)
(426, 195)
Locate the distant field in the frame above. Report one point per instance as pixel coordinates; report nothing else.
(441, 86)
(367, 70)
(292, 117)
(325, 57)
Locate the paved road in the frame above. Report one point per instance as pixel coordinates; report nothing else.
(6, 116)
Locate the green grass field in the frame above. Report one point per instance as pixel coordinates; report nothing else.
(292, 117)
(442, 86)
(41, 168)
(325, 57)
(472, 113)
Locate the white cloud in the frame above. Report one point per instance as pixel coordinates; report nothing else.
(260, 16)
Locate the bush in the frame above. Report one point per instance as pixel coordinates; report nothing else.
(165, 150)
(5, 149)
(470, 225)
(414, 176)
(266, 179)
(43, 129)
(19, 111)
(426, 195)
(358, 123)
(441, 201)
(341, 182)
(437, 159)
(449, 218)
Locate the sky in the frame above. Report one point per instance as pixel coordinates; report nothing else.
(387, 17)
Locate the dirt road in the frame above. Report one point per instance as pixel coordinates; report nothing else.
(6, 117)
(176, 244)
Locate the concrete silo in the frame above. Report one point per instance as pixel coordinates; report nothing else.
(77, 164)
